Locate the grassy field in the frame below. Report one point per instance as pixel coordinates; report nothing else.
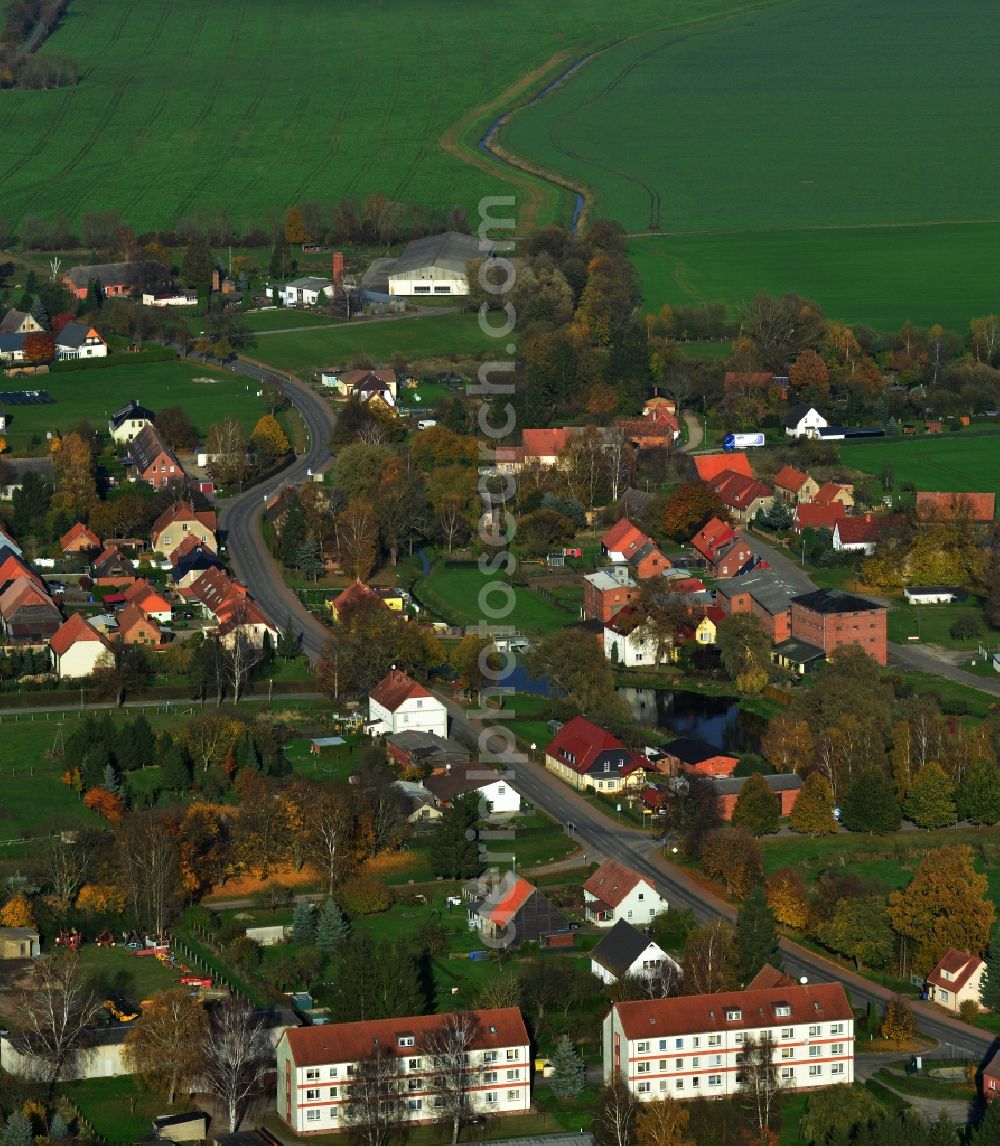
(757, 148)
(141, 132)
(931, 623)
(205, 393)
(453, 591)
(283, 318)
(952, 462)
(436, 336)
(115, 971)
(120, 1109)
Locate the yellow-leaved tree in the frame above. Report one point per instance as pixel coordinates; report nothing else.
(16, 912)
(269, 437)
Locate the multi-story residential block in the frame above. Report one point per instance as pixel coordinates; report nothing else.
(693, 1047)
(827, 619)
(316, 1065)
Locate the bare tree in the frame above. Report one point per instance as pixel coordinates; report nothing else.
(55, 1012)
(759, 1085)
(330, 827)
(614, 1117)
(234, 1056)
(661, 983)
(619, 460)
(227, 445)
(451, 519)
(241, 656)
(148, 856)
(375, 1107)
(67, 865)
(119, 668)
(453, 1073)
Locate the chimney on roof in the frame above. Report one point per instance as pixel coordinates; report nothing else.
(338, 269)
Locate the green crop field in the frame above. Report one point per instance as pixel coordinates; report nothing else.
(953, 463)
(746, 140)
(206, 393)
(436, 336)
(254, 107)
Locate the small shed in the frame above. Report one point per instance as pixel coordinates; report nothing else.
(190, 1127)
(318, 743)
(933, 594)
(19, 943)
(268, 935)
(555, 560)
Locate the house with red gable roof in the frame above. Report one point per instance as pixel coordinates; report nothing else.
(709, 466)
(727, 552)
(814, 515)
(832, 492)
(149, 601)
(585, 755)
(515, 912)
(707, 629)
(793, 485)
(79, 539)
(136, 628)
(353, 595)
(743, 496)
(543, 447)
(113, 568)
(860, 532)
(399, 704)
(77, 648)
(153, 461)
(659, 405)
(692, 1046)
(957, 978)
(622, 540)
(615, 893)
(240, 615)
(315, 1065)
(979, 508)
(181, 521)
(29, 615)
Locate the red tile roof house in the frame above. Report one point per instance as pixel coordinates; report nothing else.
(622, 540)
(113, 568)
(514, 912)
(690, 1047)
(135, 628)
(860, 533)
(153, 461)
(814, 515)
(977, 507)
(606, 592)
(709, 466)
(399, 704)
(149, 601)
(181, 521)
(793, 485)
(29, 615)
(831, 492)
(830, 618)
(315, 1064)
(543, 447)
(957, 978)
(588, 756)
(725, 550)
(615, 893)
(743, 496)
(116, 279)
(648, 561)
(80, 539)
(356, 592)
(241, 615)
(77, 647)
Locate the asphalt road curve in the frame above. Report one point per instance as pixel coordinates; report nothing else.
(240, 517)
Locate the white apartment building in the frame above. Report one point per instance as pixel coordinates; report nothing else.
(692, 1047)
(315, 1066)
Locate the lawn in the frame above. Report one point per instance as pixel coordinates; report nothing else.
(115, 971)
(745, 165)
(931, 623)
(454, 593)
(205, 393)
(281, 318)
(119, 1109)
(422, 338)
(953, 463)
(140, 133)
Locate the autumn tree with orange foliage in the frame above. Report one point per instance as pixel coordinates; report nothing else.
(810, 373)
(787, 899)
(106, 804)
(689, 507)
(203, 841)
(16, 912)
(101, 897)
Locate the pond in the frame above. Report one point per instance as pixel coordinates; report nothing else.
(718, 720)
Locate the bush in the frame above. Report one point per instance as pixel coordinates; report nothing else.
(969, 1011)
(967, 626)
(365, 895)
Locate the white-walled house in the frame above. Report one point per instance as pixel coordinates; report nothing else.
(399, 704)
(957, 978)
(932, 594)
(493, 788)
(79, 340)
(77, 647)
(804, 421)
(692, 1047)
(626, 950)
(131, 419)
(630, 641)
(615, 892)
(315, 1066)
(303, 291)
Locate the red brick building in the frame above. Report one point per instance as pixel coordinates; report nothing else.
(830, 618)
(786, 788)
(743, 496)
(726, 551)
(762, 594)
(606, 592)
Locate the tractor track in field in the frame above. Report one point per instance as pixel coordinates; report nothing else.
(237, 32)
(100, 131)
(120, 26)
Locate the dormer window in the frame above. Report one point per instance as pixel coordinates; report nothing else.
(782, 1011)
(734, 1016)
(406, 1041)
